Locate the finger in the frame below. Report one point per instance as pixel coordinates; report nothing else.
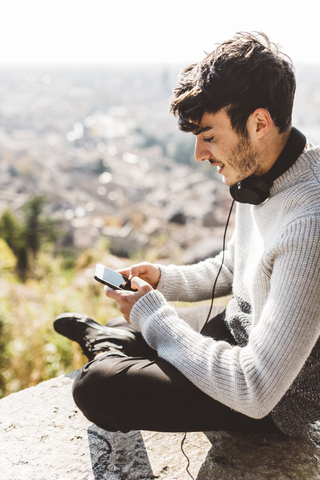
(112, 293)
(134, 270)
(124, 271)
(142, 286)
(139, 269)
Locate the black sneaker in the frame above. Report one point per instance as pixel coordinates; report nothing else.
(92, 337)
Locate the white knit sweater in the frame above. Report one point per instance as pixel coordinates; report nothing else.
(272, 268)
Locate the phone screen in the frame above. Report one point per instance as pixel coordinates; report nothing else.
(111, 278)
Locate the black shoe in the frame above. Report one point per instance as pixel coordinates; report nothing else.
(92, 337)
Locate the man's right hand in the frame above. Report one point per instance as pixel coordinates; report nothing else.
(146, 271)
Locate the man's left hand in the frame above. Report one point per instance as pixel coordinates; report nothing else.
(126, 298)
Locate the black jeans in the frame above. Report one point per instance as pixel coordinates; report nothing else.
(144, 392)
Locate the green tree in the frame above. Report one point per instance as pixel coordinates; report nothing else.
(25, 237)
(12, 231)
(33, 225)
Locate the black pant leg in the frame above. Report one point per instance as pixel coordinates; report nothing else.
(118, 392)
(123, 393)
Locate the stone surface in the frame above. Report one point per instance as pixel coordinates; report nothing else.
(43, 436)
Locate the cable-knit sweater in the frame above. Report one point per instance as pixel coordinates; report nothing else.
(272, 268)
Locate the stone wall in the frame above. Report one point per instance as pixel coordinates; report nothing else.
(43, 436)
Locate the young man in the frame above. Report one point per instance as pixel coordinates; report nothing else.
(255, 366)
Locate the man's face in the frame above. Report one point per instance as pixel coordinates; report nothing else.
(232, 154)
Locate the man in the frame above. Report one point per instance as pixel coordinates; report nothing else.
(255, 366)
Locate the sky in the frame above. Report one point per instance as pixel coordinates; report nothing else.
(143, 31)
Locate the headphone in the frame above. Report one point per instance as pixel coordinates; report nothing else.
(256, 190)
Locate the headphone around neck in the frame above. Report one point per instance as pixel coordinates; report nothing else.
(256, 190)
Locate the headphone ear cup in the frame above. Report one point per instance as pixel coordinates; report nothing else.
(250, 190)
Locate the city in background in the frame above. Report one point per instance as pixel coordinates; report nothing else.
(93, 168)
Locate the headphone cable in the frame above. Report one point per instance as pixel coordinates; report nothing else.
(208, 316)
(221, 265)
(188, 460)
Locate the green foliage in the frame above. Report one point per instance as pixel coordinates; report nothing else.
(69, 257)
(12, 231)
(8, 260)
(30, 350)
(25, 237)
(33, 228)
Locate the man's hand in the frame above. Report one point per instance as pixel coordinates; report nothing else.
(126, 298)
(146, 271)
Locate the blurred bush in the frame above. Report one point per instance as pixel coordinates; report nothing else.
(25, 237)
(8, 260)
(37, 283)
(30, 350)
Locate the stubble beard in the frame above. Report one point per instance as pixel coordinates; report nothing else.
(244, 159)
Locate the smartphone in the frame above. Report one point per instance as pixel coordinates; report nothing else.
(112, 279)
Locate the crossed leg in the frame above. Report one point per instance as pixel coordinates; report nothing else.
(144, 392)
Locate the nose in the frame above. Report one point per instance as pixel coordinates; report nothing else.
(201, 150)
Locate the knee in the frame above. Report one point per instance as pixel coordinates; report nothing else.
(84, 389)
(95, 394)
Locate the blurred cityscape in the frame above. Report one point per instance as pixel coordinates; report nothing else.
(100, 143)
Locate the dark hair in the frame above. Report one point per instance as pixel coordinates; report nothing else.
(241, 75)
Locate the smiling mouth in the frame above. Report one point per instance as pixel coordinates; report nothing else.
(215, 164)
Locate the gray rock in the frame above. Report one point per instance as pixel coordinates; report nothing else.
(43, 436)
(255, 457)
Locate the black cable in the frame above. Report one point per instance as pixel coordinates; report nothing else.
(210, 310)
(221, 265)
(181, 446)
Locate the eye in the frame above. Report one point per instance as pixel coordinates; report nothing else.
(209, 139)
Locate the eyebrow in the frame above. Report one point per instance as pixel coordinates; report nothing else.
(202, 130)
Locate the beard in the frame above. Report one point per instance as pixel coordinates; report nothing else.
(244, 159)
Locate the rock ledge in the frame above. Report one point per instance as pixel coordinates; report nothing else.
(43, 436)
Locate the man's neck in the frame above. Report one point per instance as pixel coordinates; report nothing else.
(271, 147)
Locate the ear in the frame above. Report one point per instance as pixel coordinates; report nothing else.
(259, 123)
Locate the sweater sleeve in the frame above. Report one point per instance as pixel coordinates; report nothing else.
(192, 283)
(251, 379)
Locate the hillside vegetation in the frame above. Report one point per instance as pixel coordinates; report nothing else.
(37, 283)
